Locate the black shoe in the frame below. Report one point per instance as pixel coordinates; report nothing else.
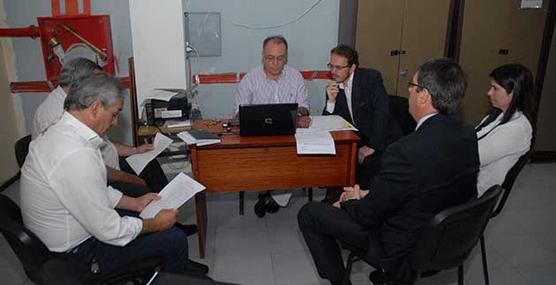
(271, 206)
(260, 207)
(187, 229)
(197, 267)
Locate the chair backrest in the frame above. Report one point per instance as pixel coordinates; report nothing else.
(21, 149)
(453, 233)
(29, 249)
(399, 111)
(509, 181)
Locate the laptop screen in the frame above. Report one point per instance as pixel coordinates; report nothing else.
(267, 119)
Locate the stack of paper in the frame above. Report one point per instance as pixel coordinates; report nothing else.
(177, 192)
(327, 123)
(318, 142)
(198, 137)
(177, 123)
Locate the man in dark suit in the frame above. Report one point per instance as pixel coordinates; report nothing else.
(427, 171)
(358, 95)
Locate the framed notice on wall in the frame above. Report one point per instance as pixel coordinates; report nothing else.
(531, 4)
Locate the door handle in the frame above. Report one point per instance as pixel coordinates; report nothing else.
(394, 52)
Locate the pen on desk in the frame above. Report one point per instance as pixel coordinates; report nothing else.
(152, 278)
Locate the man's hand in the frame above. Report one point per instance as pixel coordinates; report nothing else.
(363, 152)
(144, 148)
(332, 90)
(143, 201)
(303, 121)
(351, 193)
(164, 220)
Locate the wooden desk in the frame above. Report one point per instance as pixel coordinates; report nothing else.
(263, 163)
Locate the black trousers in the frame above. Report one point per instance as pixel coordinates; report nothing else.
(322, 225)
(152, 174)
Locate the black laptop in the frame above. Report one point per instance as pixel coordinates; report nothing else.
(267, 119)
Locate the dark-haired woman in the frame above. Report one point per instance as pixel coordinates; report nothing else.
(505, 133)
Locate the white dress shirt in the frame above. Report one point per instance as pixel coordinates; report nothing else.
(64, 197)
(51, 110)
(501, 148)
(347, 90)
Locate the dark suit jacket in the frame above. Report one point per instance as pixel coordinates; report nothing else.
(427, 171)
(370, 108)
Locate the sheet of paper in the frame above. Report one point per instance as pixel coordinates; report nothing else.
(315, 143)
(140, 160)
(175, 194)
(327, 123)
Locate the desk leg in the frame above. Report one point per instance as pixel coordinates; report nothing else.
(201, 213)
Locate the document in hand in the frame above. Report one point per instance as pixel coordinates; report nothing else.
(318, 142)
(140, 160)
(175, 194)
(199, 137)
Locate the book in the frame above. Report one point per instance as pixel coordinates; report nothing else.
(198, 137)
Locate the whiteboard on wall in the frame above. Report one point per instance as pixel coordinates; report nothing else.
(158, 37)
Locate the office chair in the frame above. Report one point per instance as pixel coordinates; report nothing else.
(21, 149)
(45, 267)
(446, 241)
(399, 112)
(507, 186)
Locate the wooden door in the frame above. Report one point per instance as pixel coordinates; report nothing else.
(379, 28)
(496, 32)
(395, 36)
(424, 32)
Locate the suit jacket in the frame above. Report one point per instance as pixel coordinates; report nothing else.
(370, 109)
(427, 171)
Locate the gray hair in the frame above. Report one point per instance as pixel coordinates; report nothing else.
(77, 69)
(99, 86)
(445, 81)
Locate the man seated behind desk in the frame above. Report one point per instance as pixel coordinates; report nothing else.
(425, 172)
(358, 95)
(273, 82)
(66, 203)
(151, 179)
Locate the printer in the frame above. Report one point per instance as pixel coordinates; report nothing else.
(158, 111)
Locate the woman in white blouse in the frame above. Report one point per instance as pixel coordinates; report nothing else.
(505, 133)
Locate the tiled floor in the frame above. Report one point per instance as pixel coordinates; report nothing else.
(521, 241)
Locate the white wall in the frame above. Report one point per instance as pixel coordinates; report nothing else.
(158, 45)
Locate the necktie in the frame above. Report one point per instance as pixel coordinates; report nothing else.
(341, 107)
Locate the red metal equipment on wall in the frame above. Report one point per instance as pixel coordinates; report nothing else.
(92, 32)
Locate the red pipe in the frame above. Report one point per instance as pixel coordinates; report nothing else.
(29, 32)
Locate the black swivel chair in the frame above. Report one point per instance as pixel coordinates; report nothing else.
(21, 149)
(507, 185)
(45, 267)
(448, 239)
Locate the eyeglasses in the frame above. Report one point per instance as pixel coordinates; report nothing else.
(280, 58)
(336, 67)
(411, 84)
